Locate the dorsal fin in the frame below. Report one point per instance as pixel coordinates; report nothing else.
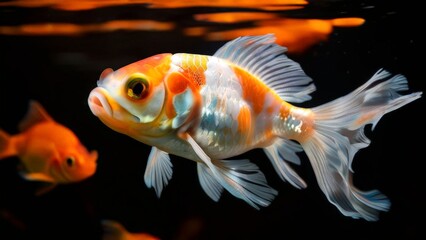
(35, 114)
(266, 60)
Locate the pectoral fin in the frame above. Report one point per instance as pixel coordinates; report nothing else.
(41, 177)
(158, 170)
(46, 182)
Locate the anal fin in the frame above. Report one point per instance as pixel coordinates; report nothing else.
(241, 178)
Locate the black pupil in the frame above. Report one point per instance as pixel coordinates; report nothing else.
(70, 162)
(138, 88)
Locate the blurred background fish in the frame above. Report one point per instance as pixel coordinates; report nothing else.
(113, 230)
(49, 151)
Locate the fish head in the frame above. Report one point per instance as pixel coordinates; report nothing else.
(73, 164)
(52, 152)
(70, 161)
(131, 99)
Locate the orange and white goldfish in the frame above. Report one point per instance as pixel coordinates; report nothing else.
(210, 109)
(113, 230)
(48, 151)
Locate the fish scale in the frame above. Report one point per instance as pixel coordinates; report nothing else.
(216, 120)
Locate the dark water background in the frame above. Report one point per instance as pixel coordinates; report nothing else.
(60, 70)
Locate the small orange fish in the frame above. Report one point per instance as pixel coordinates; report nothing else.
(49, 152)
(212, 108)
(113, 230)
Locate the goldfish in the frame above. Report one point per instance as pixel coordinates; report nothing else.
(113, 230)
(212, 108)
(49, 152)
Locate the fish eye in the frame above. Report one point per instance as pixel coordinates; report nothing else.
(70, 161)
(137, 87)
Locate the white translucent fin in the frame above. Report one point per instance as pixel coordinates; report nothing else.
(158, 170)
(241, 178)
(41, 177)
(246, 179)
(208, 182)
(281, 151)
(265, 59)
(339, 134)
(35, 114)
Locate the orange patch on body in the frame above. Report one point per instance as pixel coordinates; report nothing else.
(244, 119)
(254, 90)
(307, 119)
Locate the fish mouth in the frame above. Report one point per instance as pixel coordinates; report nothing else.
(98, 103)
(110, 111)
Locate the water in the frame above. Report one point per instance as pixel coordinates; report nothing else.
(53, 52)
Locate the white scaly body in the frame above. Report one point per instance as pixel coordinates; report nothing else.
(212, 108)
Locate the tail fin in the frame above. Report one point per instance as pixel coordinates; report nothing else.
(339, 134)
(6, 147)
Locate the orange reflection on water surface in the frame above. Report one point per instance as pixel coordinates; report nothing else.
(72, 5)
(234, 17)
(75, 29)
(296, 34)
